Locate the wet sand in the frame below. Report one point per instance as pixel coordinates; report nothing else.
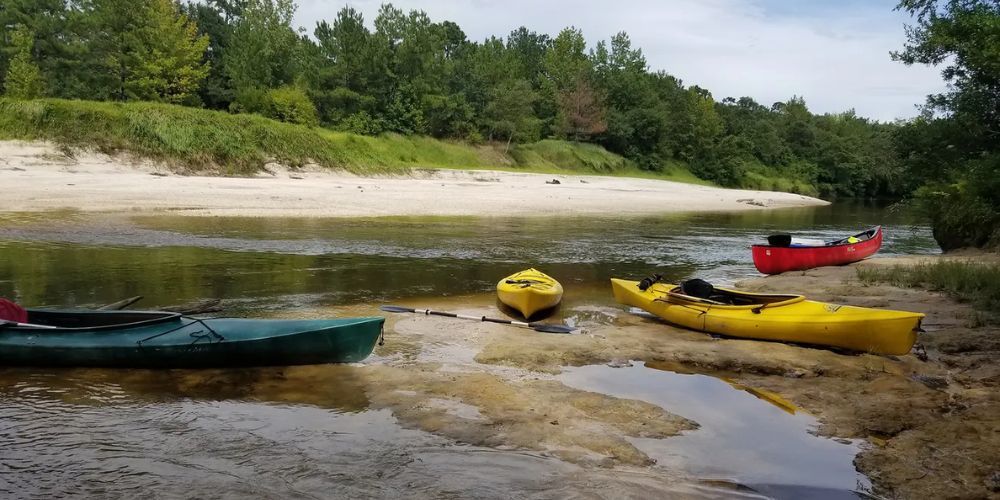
(42, 177)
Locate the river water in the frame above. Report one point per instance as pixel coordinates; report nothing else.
(243, 433)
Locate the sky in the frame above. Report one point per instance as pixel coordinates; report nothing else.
(833, 53)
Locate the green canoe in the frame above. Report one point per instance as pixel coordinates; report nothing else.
(152, 339)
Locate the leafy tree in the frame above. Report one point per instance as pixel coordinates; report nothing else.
(528, 49)
(565, 62)
(59, 48)
(345, 45)
(174, 67)
(579, 109)
(509, 113)
(214, 19)
(964, 35)
(959, 153)
(636, 116)
(24, 79)
(262, 50)
(149, 50)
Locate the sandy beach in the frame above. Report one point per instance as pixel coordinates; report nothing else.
(40, 176)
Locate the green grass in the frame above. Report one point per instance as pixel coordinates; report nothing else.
(242, 144)
(973, 282)
(767, 181)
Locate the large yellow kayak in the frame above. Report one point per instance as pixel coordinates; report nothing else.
(529, 291)
(789, 318)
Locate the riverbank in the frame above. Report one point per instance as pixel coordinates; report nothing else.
(46, 177)
(927, 419)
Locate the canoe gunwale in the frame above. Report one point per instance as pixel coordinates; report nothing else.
(156, 317)
(878, 231)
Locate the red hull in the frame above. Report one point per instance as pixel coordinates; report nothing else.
(774, 259)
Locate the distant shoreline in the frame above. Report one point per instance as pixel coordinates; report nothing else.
(41, 178)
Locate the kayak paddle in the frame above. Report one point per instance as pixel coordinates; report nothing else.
(4, 323)
(538, 327)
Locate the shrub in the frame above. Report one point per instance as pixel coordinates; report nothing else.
(960, 218)
(287, 104)
(292, 105)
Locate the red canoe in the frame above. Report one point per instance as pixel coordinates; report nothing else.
(774, 259)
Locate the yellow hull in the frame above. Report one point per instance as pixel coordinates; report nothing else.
(529, 291)
(789, 318)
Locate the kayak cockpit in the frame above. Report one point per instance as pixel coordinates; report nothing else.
(91, 320)
(725, 297)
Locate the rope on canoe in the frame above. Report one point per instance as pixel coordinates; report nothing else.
(198, 335)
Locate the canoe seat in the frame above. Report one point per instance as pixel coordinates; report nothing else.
(10, 311)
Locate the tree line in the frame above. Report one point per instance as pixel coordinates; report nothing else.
(412, 75)
(406, 73)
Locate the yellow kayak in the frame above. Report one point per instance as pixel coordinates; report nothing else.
(529, 291)
(789, 318)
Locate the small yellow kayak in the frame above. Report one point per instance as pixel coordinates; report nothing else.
(529, 291)
(789, 318)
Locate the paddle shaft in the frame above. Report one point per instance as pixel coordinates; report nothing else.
(474, 318)
(4, 323)
(541, 327)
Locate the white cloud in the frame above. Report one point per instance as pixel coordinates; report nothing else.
(837, 57)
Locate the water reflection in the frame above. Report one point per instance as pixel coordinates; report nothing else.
(741, 438)
(288, 263)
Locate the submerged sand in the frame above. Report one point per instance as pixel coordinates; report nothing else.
(40, 176)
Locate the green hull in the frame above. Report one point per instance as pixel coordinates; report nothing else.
(167, 340)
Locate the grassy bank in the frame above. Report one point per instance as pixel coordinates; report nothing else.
(973, 282)
(205, 140)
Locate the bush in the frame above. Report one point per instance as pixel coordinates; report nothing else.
(363, 123)
(287, 104)
(960, 218)
(292, 105)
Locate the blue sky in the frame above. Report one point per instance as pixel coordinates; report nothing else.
(833, 53)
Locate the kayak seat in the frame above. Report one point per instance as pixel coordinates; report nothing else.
(10, 311)
(697, 288)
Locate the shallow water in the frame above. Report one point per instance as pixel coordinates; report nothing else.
(741, 439)
(288, 263)
(264, 432)
(259, 433)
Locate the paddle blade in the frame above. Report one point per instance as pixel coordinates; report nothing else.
(396, 309)
(547, 328)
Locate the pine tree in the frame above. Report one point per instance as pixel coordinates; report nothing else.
(172, 69)
(24, 79)
(151, 51)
